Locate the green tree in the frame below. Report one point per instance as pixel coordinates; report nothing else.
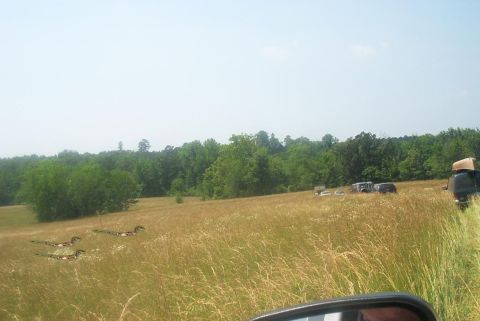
(262, 139)
(122, 190)
(87, 190)
(412, 167)
(275, 147)
(329, 140)
(242, 169)
(357, 154)
(330, 171)
(71, 157)
(144, 146)
(177, 187)
(12, 171)
(149, 171)
(46, 189)
(300, 164)
(195, 158)
(58, 191)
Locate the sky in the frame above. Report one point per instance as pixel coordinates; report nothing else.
(85, 75)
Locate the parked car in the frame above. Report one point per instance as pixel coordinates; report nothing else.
(325, 193)
(464, 182)
(339, 192)
(362, 187)
(318, 189)
(384, 188)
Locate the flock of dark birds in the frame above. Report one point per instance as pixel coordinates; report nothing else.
(77, 239)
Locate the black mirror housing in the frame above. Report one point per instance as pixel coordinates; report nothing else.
(389, 306)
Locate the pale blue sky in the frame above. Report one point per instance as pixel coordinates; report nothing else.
(84, 75)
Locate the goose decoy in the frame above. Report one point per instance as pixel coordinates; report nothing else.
(129, 233)
(74, 256)
(74, 240)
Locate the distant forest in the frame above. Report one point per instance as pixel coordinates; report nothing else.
(248, 165)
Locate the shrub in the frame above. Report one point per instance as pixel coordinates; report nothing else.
(179, 199)
(58, 191)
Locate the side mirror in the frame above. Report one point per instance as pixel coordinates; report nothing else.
(373, 307)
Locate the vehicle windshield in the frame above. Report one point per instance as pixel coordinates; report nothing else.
(466, 181)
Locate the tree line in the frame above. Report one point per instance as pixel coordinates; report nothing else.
(71, 184)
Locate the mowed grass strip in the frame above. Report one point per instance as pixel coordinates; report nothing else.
(232, 259)
(15, 216)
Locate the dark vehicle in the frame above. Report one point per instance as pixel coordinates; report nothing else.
(384, 188)
(463, 186)
(373, 307)
(464, 182)
(362, 187)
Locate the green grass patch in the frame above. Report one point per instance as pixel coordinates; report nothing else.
(17, 215)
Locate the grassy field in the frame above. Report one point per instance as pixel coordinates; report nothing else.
(232, 259)
(15, 216)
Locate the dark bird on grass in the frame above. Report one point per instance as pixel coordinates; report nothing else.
(74, 240)
(69, 257)
(129, 233)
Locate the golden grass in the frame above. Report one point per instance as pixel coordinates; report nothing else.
(232, 259)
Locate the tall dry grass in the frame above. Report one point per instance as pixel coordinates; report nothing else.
(229, 260)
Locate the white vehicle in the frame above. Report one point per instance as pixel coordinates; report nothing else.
(319, 189)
